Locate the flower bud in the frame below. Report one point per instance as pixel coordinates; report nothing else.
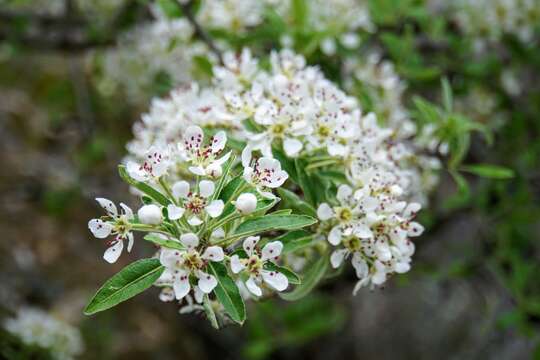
(246, 203)
(214, 170)
(150, 214)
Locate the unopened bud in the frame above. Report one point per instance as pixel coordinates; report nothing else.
(150, 215)
(246, 203)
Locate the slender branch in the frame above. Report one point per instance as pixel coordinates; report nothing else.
(199, 31)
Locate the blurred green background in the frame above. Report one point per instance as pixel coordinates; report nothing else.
(473, 291)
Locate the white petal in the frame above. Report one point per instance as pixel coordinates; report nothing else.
(362, 231)
(206, 188)
(194, 221)
(180, 189)
(181, 285)
(175, 212)
(324, 212)
(166, 294)
(218, 142)
(360, 266)
(383, 251)
(219, 233)
(197, 170)
(215, 208)
(292, 146)
(207, 282)
(415, 229)
(344, 193)
(249, 244)
(127, 211)
(100, 228)
(113, 253)
(198, 294)
(334, 237)
(271, 250)
(213, 253)
(193, 137)
(275, 279)
(402, 267)
(412, 209)
(135, 171)
(130, 241)
(190, 240)
(109, 206)
(236, 264)
(169, 257)
(336, 259)
(253, 287)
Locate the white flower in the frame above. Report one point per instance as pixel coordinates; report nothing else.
(246, 203)
(256, 265)
(266, 173)
(115, 223)
(203, 158)
(156, 163)
(150, 214)
(180, 264)
(196, 204)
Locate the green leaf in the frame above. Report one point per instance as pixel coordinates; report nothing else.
(171, 244)
(489, 171)
(130, 281)
(223, 178)
(291, 275)
(227, 293)
(310, 279)
(295, 240)
(210, 314)
(447, 95)
(170, 8)
(293, 201)
(229, 190)
(287, 163)
(145, 188)
(305, 182)
(273, 222)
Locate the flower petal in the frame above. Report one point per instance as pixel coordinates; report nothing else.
(213, 253)
(100, 228)
(127, 211)
(253, 287)
(207, 282)
(292, 146)
(194, 221)
(324, 212)
(181, 285)
(169, 257)
(130, 241)
(180, 189)
(197, 170)
(175, 212)
(218, 142)
(236, 264)
(206, 188)
(113, 253)
(215, 208)
(275, 279)
(344, 193)
(109, 206)
(190, 240)
(249, 244)
(334, 237)
(360, 266)
(193, 137)
(336, 259)
(271, 250)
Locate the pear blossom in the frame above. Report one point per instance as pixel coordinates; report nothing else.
(195, 205)
(256, 265)
(156, 163)
(203, 158)
(115, 223)
(181, 264)
(265, 174)
(150, 214)
(246, 203)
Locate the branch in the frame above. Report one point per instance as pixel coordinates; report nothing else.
(199, 31)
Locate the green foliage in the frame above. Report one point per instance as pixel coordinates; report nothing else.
(272, 222)
(227, 293)
(130, 281)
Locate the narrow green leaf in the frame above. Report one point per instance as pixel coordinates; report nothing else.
(224, 177)
(305, 182)
(145, 188)
(489, 171)
(273, 222)
(447, 95)
(293, 201)
(294, 240)
(310, 279)
(227, 293)
(168, 243)
(291, 275)
(130, 281)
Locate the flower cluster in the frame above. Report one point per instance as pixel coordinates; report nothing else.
(490, 20)
(213, 217)
(38, 328)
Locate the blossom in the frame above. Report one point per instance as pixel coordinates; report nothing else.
(150, 214)
(181, 264)
(256, 265)
(195, 204)
(265, 173)
(246, 203)
(203, 159)
(118, 224)
(156, 163)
